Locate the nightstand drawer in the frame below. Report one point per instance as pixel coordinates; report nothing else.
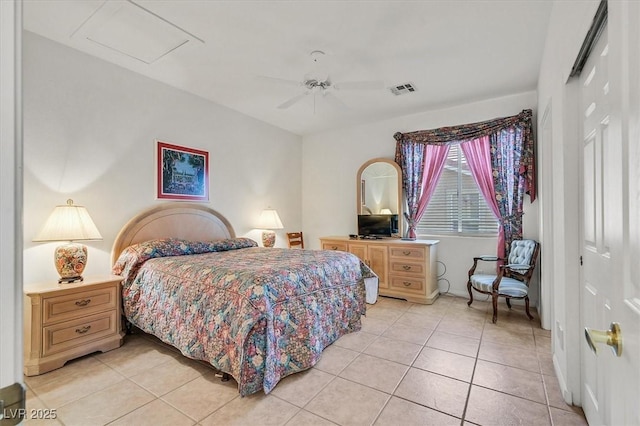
(76, 305)
(407, 283)
(412, 253)
(66, 335)
(407, 268)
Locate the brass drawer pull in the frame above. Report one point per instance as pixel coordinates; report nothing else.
(406, 267)
(407, 283)
(406, 253)
(83, 330)
(83, 302)
(334, 247)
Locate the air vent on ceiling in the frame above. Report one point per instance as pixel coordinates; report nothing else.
(402, 89)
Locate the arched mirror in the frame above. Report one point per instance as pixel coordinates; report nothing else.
(379, 188)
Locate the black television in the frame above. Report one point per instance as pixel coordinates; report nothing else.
(377, 225)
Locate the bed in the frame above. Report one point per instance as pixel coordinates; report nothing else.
(258, 314)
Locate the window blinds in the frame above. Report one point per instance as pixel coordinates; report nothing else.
(457, 206)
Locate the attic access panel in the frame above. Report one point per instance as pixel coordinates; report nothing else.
(130, 29)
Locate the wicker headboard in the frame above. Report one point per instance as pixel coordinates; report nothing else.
(193, 222)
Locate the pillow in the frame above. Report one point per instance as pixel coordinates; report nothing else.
(135, 255)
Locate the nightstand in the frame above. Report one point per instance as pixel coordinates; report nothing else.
(66, 321)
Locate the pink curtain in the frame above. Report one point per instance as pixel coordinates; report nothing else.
(421, 169)
(434, 158)
(478, 155)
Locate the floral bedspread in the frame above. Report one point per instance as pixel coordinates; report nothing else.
(256, 313)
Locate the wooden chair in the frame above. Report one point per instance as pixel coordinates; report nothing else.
(512, 280)
(295, 239)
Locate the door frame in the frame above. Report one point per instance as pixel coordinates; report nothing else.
(11, 357)
(546, 222)
(567, 336)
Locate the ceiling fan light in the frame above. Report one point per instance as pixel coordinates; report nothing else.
(316, 76)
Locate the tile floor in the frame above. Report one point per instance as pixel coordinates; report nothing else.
(443, 364)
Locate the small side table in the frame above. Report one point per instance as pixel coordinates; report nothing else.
(66, 321)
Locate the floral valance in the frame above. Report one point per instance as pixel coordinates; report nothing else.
(466, 132)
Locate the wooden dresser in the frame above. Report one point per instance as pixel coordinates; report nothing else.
(65, 321)
(405, 269)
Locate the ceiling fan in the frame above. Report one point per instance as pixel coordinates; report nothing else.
(317, 84)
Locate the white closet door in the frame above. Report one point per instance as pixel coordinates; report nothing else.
(610, 283)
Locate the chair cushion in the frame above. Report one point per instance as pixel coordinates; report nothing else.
(521, 251)
(513, 288)
(483, 282)
(508, 286)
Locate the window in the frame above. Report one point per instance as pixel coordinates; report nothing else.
(457, 207)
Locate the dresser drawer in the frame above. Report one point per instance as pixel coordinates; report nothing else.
(407, 283)
(405, 269)
(409, 253)
(398, 266)
(77, 305)
(69, 334)
(334, 245)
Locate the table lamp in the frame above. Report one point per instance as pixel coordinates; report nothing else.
(69, 223)
(269, 219)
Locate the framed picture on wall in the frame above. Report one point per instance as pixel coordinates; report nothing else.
(181, 173)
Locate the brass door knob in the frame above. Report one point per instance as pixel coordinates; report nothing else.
(612, 337)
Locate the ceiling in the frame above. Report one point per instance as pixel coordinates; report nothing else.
(452, 51)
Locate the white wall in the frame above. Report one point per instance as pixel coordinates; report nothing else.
(331, 160)
(89, 131)
(559, 173)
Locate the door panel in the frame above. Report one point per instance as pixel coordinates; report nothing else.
(589, 224)
(379, 259)
(359, 250)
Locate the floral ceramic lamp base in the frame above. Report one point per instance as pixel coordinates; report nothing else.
(268, 238)
(70, 262)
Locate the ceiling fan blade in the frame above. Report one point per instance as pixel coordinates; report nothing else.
(280, 80)
(334, 100)
(359, 85)
(292, 101)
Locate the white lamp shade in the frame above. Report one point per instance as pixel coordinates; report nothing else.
(269, 219)
(69, 223)
(385, 211)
